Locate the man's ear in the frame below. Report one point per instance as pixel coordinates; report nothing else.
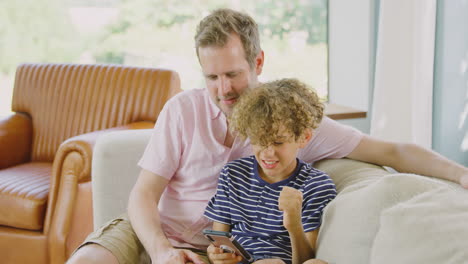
(259, 61)
(306, 137)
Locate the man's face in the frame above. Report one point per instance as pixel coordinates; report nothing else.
(227, 72)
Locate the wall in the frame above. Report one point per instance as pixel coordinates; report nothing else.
(450, 116)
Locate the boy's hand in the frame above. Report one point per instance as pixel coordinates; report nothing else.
(290, 202)
(217, 256)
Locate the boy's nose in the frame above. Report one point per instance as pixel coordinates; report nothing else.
(269, 151)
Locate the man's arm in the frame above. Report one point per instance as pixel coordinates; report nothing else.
(409, 158)
(144, 216)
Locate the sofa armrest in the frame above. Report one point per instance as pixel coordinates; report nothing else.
(15, 139)
(115, 171)
(71, 172)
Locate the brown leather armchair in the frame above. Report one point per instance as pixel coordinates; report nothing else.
(46, 147)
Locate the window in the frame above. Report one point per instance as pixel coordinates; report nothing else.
(352, 36)
(158, 33)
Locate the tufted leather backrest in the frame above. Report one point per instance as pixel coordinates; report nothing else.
(65, 100)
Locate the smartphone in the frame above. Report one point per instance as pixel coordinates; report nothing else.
(228, 243)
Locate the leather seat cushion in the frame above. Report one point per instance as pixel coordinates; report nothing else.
(24, 190)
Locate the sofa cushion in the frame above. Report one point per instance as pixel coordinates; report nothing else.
(24, 190)
(351, 221)
(349, 175)
(430, 228)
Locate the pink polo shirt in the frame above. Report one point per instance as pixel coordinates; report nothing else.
(187, 148)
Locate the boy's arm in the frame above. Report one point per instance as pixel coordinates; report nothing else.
(409, 158)
(221, 227)
(302, 249)
(290, 202)
(312, 239)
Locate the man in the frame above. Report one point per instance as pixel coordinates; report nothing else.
(191, 142)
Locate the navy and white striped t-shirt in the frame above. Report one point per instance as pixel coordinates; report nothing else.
(249, 205)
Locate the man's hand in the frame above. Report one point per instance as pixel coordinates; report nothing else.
(178, 256)
(290, 202)
(464, 180)
(217, 256)
(269, 261)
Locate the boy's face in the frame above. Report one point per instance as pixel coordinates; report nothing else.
(227, 72)
(278, 161)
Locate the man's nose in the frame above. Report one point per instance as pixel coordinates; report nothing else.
(224, 85)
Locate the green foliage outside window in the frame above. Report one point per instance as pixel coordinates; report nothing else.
(158, 33)
(147, 31)
(35, 31)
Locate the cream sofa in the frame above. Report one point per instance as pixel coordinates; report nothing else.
(378, 217)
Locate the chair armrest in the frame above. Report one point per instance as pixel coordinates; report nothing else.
(65, 159)
(115, 171)
(71, 169)
(15, 139)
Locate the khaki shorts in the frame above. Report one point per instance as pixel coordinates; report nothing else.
(118, 237)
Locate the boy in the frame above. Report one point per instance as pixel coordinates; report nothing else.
(272, 202)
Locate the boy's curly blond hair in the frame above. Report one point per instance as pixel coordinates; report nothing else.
(285, 105)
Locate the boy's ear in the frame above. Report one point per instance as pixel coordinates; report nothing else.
(306, 137)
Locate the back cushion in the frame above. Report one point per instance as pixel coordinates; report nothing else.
(352, 219)
(65, 100)
(430, 228)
